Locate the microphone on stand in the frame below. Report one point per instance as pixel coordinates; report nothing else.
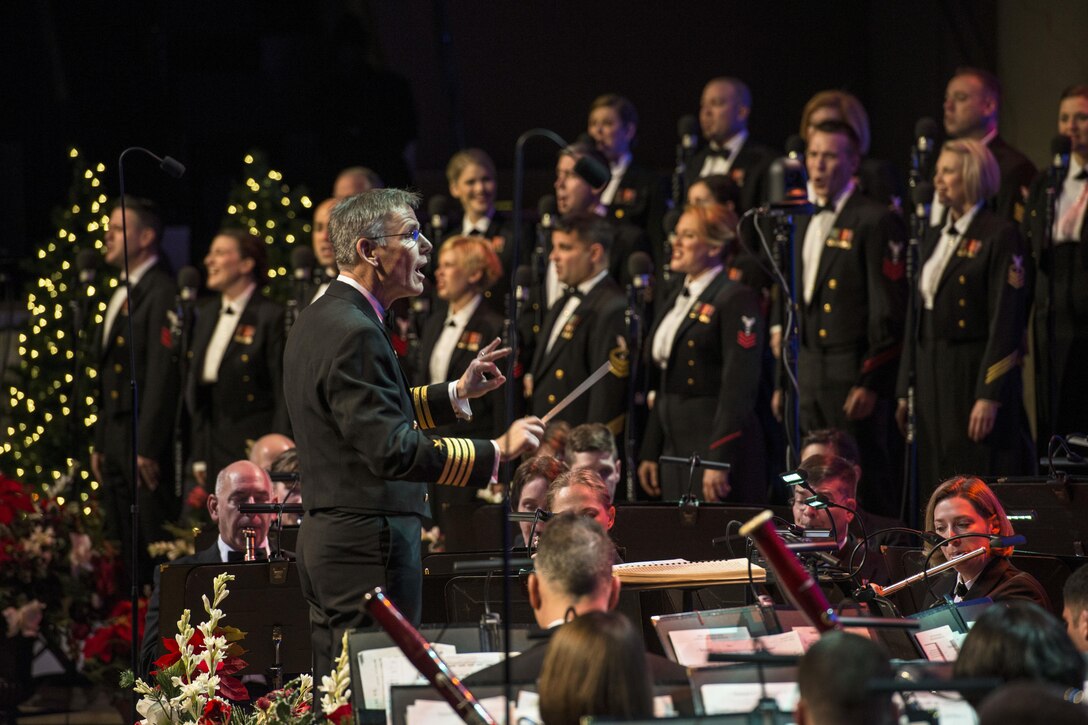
(924, 150)
(641, 269)
(188, 287)
(303, 261)
(1060, 148)
(687, 128)
(668, 225)
(593, 172)
(795, 148)
(438, 216)
(88, 262)
(523, 282)
(548, 211)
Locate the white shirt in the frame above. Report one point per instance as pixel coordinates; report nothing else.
(117, 301)
(815, 240)
(572, 304)
(225, 549)
(481, 225)
(452, 328)
(460, 405)
(670, 323)
(1071, 202)
(932, 271)
(936, 211)
(230, 311)
(618, 169)
(716, 164)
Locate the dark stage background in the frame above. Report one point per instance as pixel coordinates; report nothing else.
(327, 84)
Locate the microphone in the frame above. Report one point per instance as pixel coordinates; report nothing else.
(438, 211)
(548, 211)
(922, 196)
(1060, 148)
(1004, 542)
(795, 147)
(593, 172)
(303, 262)
(797, 582)
(188, 283)
(641, 269)
(688, 130)
(172, 166)
(88, 262)
(926, 132)
(523, 283)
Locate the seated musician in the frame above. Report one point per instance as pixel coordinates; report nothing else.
(835, 479)
(529, 490)
(966, 505)
(572, 575)
(240, 482)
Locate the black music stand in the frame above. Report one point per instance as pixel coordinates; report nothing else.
(265, 602)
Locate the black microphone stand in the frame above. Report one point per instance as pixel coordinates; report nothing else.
(511, 308)
(633, 316)
(1054, 180)
(689, 502)
(784, 250)
(171, 167)
(908, 505)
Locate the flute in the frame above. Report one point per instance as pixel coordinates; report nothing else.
(425, 659)
(893, 588)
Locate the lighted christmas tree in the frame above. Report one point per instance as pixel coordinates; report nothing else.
(51, 388)
(272, 210)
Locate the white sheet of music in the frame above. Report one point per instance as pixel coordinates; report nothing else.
(438, 712)
(692, 645)
(722, 698)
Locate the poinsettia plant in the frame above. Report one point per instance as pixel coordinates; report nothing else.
(195, 681)
(57, 573)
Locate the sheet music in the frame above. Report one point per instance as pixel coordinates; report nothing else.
(722, 698)
(940, 644)
(438, 712)
(692, 645)
(951, 709)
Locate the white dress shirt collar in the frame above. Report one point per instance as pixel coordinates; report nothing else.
(378, 309)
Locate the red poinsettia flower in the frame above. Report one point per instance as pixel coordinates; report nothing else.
(173, 654)
(13, 499)
(197, 498)
(341, 714)
(216, 712)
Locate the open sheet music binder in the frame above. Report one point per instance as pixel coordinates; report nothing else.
(750, 618)
(680, 573)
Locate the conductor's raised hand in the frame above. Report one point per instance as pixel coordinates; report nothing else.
(523, 437)
(482, 375)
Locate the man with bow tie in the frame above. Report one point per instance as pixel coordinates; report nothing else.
(239, 483)
(852, 303)
(583, 329)
(723, 115)
(156, 374)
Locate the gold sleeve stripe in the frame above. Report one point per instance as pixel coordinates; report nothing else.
(423, 409)
(448, 447)
(1001, 367)
(459, 463)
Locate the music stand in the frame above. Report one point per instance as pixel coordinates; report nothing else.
(255, 586)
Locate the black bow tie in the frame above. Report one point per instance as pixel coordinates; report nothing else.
(450, 323)
(686, 292)
(573, 292)
(821, 208)
(228, 310)
(722, 153)
(234, 557)
(961, 590)
(475, 233)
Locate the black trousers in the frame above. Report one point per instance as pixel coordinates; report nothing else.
(342, 555)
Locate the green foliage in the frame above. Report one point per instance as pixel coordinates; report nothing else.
(275, 212)
(50, 389)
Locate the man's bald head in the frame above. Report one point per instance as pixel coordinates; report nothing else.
(239, 483)
(268, 447)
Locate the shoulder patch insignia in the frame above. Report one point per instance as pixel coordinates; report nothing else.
(1016, 271)
(745, 337)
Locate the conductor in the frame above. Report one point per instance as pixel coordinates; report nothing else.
(361, 430)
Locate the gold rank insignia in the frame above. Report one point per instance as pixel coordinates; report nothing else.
(840, 238)
(969, 248)
(243, 335)
(1016, 271)
(460, 458)
(469, 341)
(422, 407)
(569, 328)
(618, 363)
